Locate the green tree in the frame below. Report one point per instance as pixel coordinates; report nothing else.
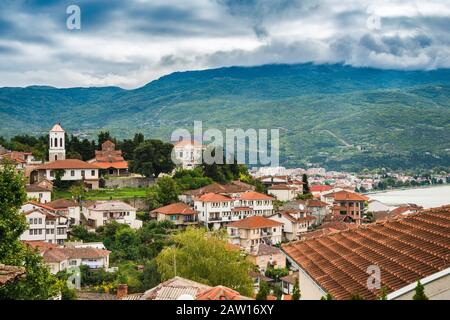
(420, 292)
(296, 291)
(383, 294)
(191, 179)
(164, 192)
(263, 291)
(152, 157)
(327, 297)
(12, 223)
(39, 283)
(205, 257)
(102, 137)
(150, 276)
(306, 189)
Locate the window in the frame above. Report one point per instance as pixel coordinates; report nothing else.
(35, 220)
(31, 232)
(52, 174)
(173, 217)
(30, 220)
(72, 173)
(60, 142)
(40, 220)
(93, 173)
(56, 142)
(40, 231)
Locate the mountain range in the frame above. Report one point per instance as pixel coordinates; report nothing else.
(336, 116)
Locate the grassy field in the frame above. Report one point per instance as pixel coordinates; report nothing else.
(105, 194)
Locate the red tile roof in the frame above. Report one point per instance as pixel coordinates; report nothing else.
(253, 195)
(175, 208)
(345, 195)
(406, 250)
(320, 188)
(316, 203)
(281, 187)
(213, 197)
(62, 204)
(254, 222)
(218, 293)
(57, 128)
(113, 164)
(67, 164)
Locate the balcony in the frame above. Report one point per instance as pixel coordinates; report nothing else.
(214, 219)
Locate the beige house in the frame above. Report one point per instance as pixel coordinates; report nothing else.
(99, 213)
(263, 255)
(251, 231)
(295, 222)
(38, 193)
(282, 192)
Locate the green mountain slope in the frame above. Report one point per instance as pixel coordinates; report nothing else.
(333, 115)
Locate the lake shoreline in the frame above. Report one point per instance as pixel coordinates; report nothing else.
(407, 188)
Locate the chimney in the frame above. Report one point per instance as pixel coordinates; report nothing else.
(122, 291)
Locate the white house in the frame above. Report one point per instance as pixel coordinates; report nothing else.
(252, 231)
(218, 209)
(71, 169)
(44, 225)
(60, 259)
(282, 192)
(38, 193)
(213, 207)
(99, 213)
(69, 208)
(188, 154)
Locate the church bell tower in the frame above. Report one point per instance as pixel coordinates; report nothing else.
(56, 143)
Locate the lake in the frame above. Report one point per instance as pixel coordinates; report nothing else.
(430, 197)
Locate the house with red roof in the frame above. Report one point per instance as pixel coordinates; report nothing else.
(218, 209)
(109, 160)
(179, 214)
(69, 169)
(346, 203)
(44, 224)
(252, 231)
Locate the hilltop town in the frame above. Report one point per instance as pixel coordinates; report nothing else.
(140, 227)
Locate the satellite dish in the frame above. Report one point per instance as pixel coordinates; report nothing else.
(185, 296)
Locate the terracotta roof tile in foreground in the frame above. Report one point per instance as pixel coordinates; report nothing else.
(173, 288)
(406, 250)
(254, 222)
(218, 293)
(10, 273)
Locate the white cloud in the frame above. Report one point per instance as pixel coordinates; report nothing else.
(129, 44)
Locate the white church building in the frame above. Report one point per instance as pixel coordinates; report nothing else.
(70, 169)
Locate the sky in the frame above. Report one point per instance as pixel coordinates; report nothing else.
(130, 43)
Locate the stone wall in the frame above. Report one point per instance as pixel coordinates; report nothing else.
(128, 182)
